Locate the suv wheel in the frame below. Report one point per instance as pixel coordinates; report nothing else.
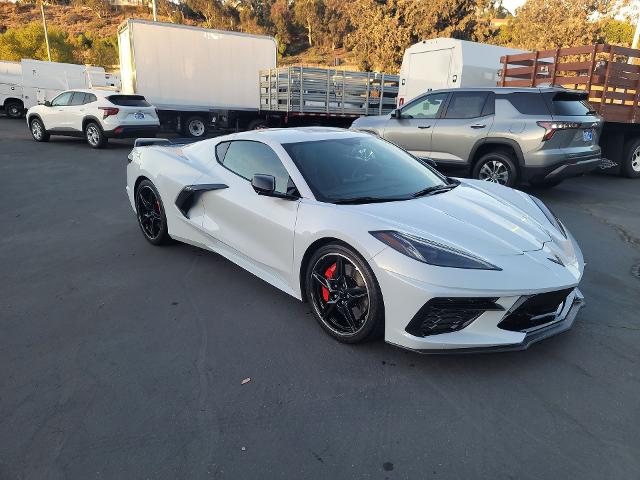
(631, 160)
(38, 132)
(94, 135)
(496, 167)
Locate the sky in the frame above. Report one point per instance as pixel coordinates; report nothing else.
(511, 5)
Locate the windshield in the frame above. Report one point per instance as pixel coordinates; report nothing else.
(366, 168)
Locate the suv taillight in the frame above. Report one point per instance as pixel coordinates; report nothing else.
(107, 111)
(551, 128)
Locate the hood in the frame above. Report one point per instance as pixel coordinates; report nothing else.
(468, 217)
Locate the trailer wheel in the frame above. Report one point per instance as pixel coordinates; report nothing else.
(631, 159)
(195, 127)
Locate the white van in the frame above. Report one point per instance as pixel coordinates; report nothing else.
(448, 63)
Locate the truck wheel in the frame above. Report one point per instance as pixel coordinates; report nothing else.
(195, 127)
(630, 166)
(94, 135)
(13, 109)
(496, 167)
(258, 124)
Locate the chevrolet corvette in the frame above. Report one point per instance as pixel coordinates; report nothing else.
(376, 240)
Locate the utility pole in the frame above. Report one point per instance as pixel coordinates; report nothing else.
(155, 11)
(46, 35)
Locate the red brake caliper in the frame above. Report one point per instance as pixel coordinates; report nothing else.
(328, 274)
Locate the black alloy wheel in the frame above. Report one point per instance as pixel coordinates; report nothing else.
(345, 296)
(151, 216)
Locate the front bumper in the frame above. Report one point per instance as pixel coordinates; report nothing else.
(554, 328)
(132, 131)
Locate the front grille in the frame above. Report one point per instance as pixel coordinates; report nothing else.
(446, 315)
(536, 310)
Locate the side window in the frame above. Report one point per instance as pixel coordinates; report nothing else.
(466, 105)
(528, 103)
(77, 98)
(89, 98)
(426, 107)
(61, 100)
(247, 158)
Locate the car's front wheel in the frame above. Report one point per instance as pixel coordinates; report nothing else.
(38, 131)
(150, 212)
(344, 294)
(94, 135)
(496, 167)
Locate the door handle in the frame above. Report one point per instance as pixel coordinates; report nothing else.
(478, 125)
(422, 127)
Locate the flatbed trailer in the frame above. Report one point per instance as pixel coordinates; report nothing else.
(611, 77)
(324, 96)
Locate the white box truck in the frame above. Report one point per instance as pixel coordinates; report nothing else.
(197, 78)
(448, 63)
(30, 82)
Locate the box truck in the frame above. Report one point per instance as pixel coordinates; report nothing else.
(30, 82)
(448, 63)
(201, 79)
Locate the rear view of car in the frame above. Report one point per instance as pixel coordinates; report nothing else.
(129, 116)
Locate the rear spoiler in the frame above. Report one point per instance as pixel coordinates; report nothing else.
(147, 142)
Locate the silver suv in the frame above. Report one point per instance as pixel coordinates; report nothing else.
(503, 135)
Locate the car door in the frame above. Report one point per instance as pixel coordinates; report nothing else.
(54, 117)
(75, 111)
(256, 227)
(466, 120)
(411, 128)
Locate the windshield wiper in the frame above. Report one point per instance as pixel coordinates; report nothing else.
(357, 200)
(433, 190)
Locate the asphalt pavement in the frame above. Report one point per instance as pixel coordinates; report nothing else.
(120, 360)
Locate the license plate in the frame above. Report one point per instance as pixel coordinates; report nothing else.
(587, 135)
(138, 116)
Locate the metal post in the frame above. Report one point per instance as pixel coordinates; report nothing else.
(46, 34)
(381, 94)
(155, 10)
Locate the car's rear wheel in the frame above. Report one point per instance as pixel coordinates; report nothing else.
(195, 127)
(631, 159)
(496, 167)
(14, 109)
(344, 294)
(150, 212)
(38, 131)
(94, 135)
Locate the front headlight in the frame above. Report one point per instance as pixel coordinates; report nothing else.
(430, 252)
(552, 217)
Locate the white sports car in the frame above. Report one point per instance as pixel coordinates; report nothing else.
(376, 240)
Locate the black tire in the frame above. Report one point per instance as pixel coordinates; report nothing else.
(38, 131)
(94, 135)
(630, 165)
(545, 183)
(498, 167)
(258, 124)
(150, 213)
(195, 127)
(345, 293)
(14, 109)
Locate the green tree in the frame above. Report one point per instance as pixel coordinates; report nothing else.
(616, 32)
(29, 42)
(104, 52)
(310, 15)
(543, 24)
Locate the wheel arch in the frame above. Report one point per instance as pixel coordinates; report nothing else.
(486, 145)
(88, 119)
(12, 100)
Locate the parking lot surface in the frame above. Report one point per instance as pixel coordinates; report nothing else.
(120, 360)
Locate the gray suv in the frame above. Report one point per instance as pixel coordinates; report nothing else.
(503, 135)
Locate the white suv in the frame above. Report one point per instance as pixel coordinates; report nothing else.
(95, 115)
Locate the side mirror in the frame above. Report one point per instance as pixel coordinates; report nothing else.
(264, 184)
(47, 103)
(395, 113)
